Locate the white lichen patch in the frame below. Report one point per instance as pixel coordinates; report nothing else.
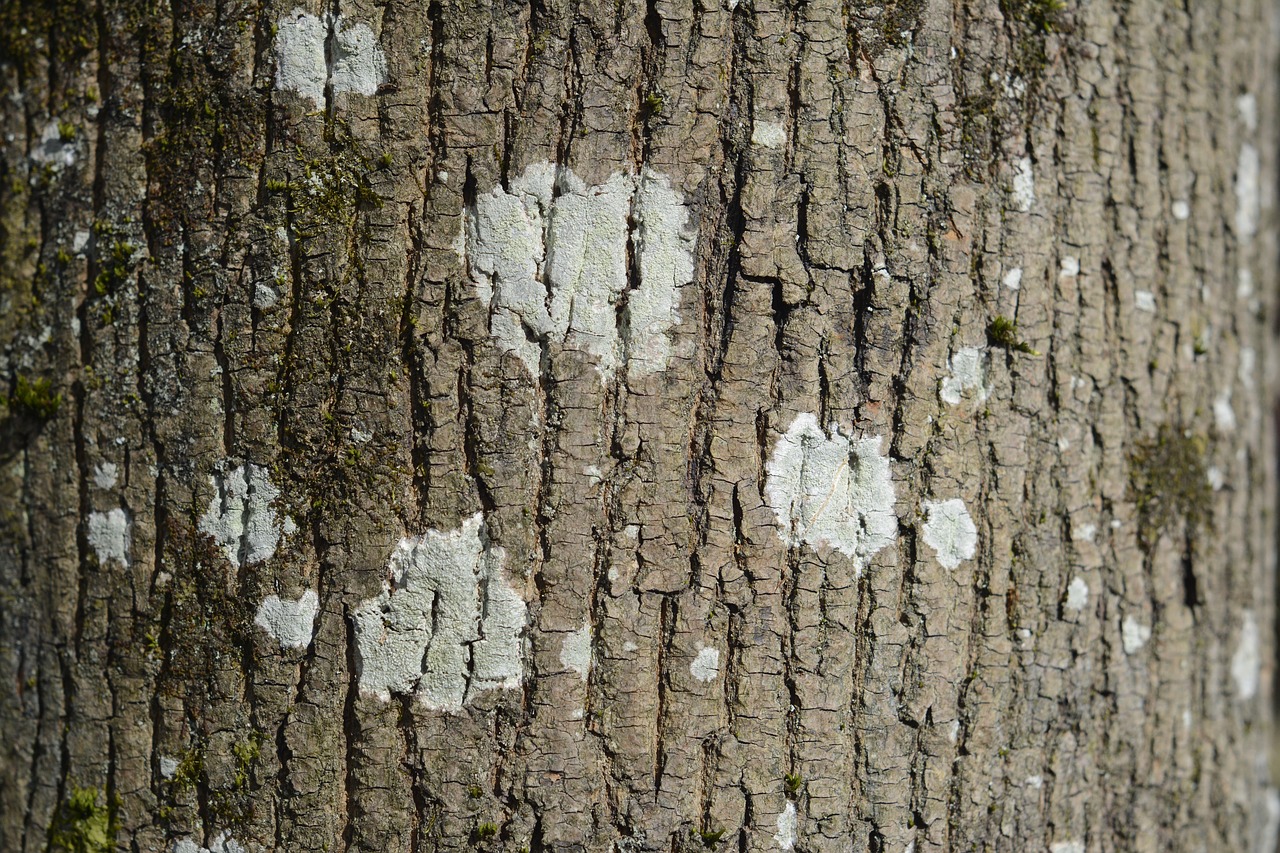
(105, 475)
(108, 535)
(1270, 833)
(1133, 635)
(575, 651)
(768, 134)
(1024, 185)
(1067, 847)
(1248, 172)
(222, 843)
(950, 532)
(967, 373)
(706, 665)
(833, 491)
(664, 244)
(1246, 663)
(1077, 595)
(786, 834)
(1181, 210)
(168, 766)
(359, 64)
(1247, 106)
(1084, 533)
(53, 149)
(549, 255)
(1248, 363)
(292, 623)
(1217, 478)
(1244, 283)
(1145, 300)
(300, 57)
(1013, 278)
(241, 518)
(1224, 416)
(447, 624)
(1069, 266)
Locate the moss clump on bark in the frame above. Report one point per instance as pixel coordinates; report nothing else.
(1169, 480)
(710, 838)
(36, 398)
(82, 824)
(1003, 332)
(63, 30)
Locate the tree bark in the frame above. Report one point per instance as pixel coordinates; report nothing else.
(610, 425)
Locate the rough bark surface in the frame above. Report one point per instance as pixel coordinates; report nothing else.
(1030, 249)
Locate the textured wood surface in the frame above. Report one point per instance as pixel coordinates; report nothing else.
(1029, 249)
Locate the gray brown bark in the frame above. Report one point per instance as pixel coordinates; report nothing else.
(210, 270)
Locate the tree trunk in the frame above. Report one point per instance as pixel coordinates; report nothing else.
(609, 426)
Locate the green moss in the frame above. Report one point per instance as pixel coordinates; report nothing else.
(1032, 21)
(1168, 480)
(484, 831)
(82, 824)
(1042, 16)
(187, 774)
(247, 753)
(792, 782)
(651, 105)
(115, 267)
(35, 398)
(710, 839)
(63, 30)
(1003, 332)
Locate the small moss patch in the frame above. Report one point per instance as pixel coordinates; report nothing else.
(1168, 480)
(36, 398)
(710, 838)
(1003, 332)
(82, 824)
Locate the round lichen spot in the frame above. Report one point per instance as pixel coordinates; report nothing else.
(950, 532)
(830, 490)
